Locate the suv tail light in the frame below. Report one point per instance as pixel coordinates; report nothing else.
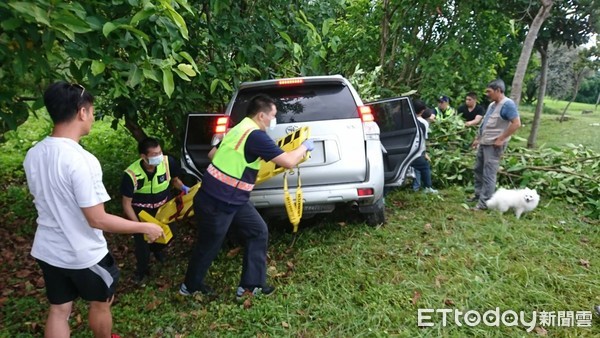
(365, 192)
(221, 125)
(365, 114)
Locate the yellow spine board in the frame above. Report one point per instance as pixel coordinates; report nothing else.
(287, 143)
(293, 208)
(146, 217)
(167, 213)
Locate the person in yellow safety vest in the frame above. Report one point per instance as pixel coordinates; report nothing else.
(443, 109)
(223, 199)
(146, 186)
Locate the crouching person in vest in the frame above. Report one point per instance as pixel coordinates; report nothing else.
(146, 186)
(223, 200)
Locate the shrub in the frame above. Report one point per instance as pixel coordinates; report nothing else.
(569, 173)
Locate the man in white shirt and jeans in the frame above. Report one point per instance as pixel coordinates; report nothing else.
(66, 183)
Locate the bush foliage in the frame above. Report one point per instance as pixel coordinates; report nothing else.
(570, 173)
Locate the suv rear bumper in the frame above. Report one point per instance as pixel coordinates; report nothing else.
(331, 194)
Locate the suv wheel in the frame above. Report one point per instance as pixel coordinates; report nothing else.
(376, 216)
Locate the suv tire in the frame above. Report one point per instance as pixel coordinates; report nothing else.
(376, 217)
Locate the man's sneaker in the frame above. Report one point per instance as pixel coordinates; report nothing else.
(430, 191)
(140, 278)
(473, 198)
(204, 290)
(479, 207)
(266, 290)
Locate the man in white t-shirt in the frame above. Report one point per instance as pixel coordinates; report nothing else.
(66, 183)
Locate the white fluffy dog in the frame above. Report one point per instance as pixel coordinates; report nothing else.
(521, 200)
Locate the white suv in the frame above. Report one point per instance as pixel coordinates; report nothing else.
(359, 148)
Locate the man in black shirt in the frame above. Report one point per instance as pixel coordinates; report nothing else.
(471, 111)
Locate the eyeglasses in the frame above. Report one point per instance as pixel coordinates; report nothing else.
(80, 87)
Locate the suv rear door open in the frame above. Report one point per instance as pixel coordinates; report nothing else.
(401, 140)
(199, 133)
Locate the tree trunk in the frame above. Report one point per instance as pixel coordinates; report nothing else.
(134, 128)
(536, 24)
(385, 32)
(576, 90)
(537, 117)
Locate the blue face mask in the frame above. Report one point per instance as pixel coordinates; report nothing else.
(155, 160)
(272, 124)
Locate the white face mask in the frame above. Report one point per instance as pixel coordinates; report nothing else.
(155, 160)
(272, 124)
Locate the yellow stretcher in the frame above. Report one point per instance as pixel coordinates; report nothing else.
(288, 143)
(181, 206)
(269, 169)
(175, 209)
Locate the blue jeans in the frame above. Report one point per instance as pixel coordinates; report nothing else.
(416, 184)
(213, 219)
(423, 170)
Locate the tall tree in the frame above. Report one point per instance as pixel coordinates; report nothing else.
(541, 16)
(588, 63)
(110, 47)
(573, 24)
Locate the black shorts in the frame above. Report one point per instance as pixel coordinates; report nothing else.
(96, 283)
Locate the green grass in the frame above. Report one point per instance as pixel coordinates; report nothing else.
(342, 278)
(577, 129)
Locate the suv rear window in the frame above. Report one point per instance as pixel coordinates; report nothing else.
(302, 103)
(392, 114)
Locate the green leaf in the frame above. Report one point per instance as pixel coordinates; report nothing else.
(326, 25)
(181, 74)
(108, 28)
(142, 15)
(97, 67)
(70, 22)
(38, 104)
(168, 83)
(226, 85)
(150, 74)
(190, 59)
(187, 69)
(515, 168)
(213, 85)
(178, 19)
(184, 4)
(297, 51)
(286, 37)
(69, 34)
(135, 31)
(10, 24)
(135, 77)
(31, 10)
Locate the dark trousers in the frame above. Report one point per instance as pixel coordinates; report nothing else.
(142, 253)
(421, 165)
(486, 167)
(213, 221)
